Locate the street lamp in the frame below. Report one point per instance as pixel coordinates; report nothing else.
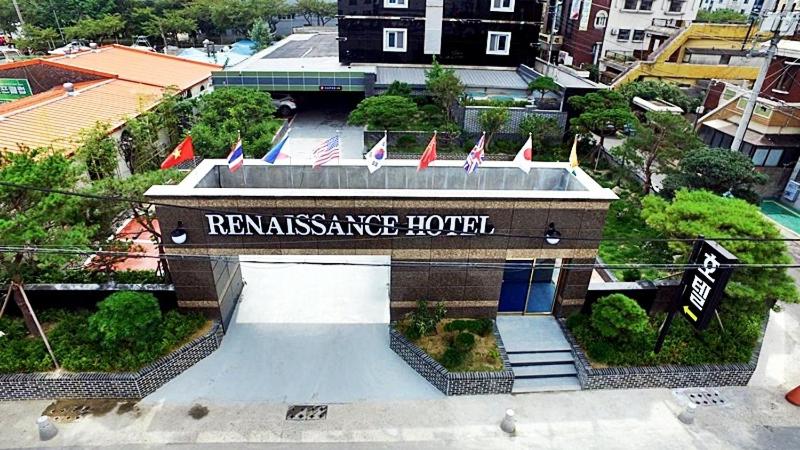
(551, 235)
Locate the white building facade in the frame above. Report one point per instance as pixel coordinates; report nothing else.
(637, 27)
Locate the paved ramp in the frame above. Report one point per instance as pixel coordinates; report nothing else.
(304, 334)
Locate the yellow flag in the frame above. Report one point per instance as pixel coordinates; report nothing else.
(573, 156)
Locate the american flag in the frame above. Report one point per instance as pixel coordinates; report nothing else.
(327, 151)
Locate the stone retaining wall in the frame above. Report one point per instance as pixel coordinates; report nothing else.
(667, 376)
(454, 383)
(50, 385)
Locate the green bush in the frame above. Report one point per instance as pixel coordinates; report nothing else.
(126, 319)
(464, 342)
(619, 318)
(481, 327)
(452, 358)
(631, 275)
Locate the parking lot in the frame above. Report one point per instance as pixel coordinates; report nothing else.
(319, 118)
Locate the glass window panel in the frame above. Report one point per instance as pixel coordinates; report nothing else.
(760, 156)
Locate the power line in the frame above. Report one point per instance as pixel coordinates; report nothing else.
(418, 263)
(381, 226)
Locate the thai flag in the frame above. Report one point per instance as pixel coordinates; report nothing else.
(475, 157)
(236, 157)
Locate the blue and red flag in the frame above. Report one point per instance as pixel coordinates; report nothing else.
(236, 157)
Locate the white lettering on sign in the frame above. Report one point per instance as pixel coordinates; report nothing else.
(360, 225)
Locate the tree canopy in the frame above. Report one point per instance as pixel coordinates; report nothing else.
(444, 86)
(717, 170)
(385, 112)
(543, 85)
(657, 145)
(544, 131)
(491, 121)
(724, 15)
(224, 113)
(600, 112)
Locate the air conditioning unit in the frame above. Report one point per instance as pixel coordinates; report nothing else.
(613, 31)
(558, 40)
(792, 189)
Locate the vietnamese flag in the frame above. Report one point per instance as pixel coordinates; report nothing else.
(183, 152)
(429, 155)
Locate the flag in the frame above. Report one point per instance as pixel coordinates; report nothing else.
(475, 157)
(429, 155)
(377, 155)
(327, 151)
(525, 156)
(275, 152)
(573, 155)
(183, 152)
(236, 157)
(575, 10)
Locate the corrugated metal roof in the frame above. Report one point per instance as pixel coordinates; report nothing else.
(142, 66)
(57, 121)
(472, 78)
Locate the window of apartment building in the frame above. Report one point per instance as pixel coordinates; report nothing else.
(638, 36)
(767, 157)
(601, 19)
(394, 39)
(395, 3)
(761, 110)
(786, 80)
(623, 35)
(676, 6)
(646, 5)
(498, 43)
(728, 94)
(502, 5)
(630, 4)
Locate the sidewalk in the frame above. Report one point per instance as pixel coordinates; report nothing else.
(753, 417)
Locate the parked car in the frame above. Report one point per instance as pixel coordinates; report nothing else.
(284, 104)
(8, 55)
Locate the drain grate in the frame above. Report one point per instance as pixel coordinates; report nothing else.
(307, 412)
(702, 397)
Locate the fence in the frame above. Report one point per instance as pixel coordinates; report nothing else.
(471, 122)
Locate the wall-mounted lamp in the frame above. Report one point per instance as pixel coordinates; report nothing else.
(551, 235)
(179, 234)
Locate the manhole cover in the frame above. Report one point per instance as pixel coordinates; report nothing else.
(702, 397)
(307, 412)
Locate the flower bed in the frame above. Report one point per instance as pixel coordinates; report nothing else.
(455, 383)
(134, 385)
(661, 376)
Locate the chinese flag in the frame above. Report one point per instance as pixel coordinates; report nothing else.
(429, 155)
(183, 152)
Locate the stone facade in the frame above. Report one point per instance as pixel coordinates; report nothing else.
(668, 376)
(515, 115)
(37, 386)
(454, 383)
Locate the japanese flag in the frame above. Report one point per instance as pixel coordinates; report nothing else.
(525, 156)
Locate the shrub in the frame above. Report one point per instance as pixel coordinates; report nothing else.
(384, 112)
(631, 275)
(423, 321)
(618, 317)
(481, 327)
(464, 341)
(126, 319)
(452, 358)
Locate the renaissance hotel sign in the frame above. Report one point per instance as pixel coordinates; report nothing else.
(347, 225)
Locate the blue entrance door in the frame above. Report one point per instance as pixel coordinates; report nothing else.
(516, 283)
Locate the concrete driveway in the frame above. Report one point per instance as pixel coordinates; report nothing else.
(314, 124)
(301, 334)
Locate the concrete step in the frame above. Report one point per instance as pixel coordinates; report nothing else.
(544, 371)
(523, 385)
(539, 358)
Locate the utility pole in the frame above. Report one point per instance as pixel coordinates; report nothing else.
(759, 83)
(19, 13)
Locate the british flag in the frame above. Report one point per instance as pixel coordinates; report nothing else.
(475, 157)
(327, 151)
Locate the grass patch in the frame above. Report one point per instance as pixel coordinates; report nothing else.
(77, 350)
(484, 356)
